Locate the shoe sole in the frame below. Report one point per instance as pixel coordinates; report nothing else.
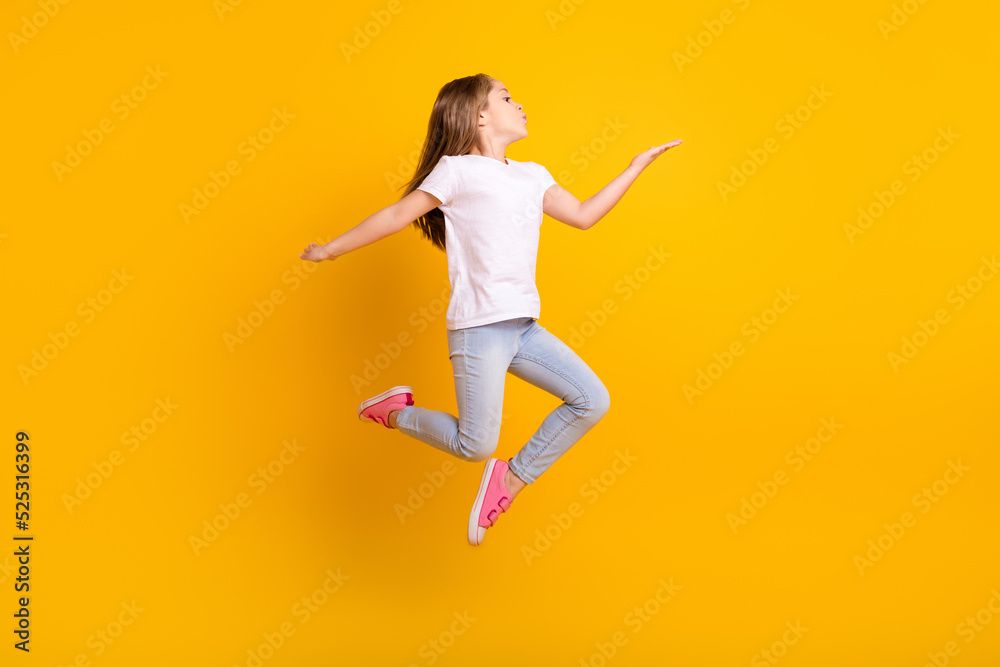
(477, 506)
(401, 389)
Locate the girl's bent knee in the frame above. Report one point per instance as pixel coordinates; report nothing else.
(473, 451)
(477, 454)
(477, 457)
(599, 403)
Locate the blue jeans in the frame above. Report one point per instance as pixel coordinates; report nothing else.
(481, 357)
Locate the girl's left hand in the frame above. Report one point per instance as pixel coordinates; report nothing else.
(315, 253)
(644, 159)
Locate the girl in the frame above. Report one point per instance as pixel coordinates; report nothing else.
(485, 210)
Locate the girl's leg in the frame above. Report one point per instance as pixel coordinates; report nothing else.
(546, 362)
(480, 357)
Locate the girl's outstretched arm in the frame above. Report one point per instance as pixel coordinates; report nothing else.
(377, 226)
(560, 204)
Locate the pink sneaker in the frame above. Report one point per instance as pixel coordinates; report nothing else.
(378, 407)
(493, 498)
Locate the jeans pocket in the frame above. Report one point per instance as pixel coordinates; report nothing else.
(456, 342)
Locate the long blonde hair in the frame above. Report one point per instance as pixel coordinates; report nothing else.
(451, 130)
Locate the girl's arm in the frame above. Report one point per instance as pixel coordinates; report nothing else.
(377, 226)
(560, 204)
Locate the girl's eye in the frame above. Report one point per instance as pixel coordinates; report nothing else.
(506, 98)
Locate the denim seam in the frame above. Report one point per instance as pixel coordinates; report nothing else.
(576, 417)
(522, 474)
(458, 436)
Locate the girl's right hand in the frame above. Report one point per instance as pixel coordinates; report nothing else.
(644, 159)
(316, 253)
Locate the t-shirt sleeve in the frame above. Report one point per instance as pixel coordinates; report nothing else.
(545, 178)
(439, 182)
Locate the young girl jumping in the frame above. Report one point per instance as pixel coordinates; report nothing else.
(485, 210)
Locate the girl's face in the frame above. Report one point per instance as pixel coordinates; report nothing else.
(505, 115)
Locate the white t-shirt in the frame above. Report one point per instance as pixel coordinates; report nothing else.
(492, 213)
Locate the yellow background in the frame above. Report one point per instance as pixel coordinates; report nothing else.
(357, 119)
